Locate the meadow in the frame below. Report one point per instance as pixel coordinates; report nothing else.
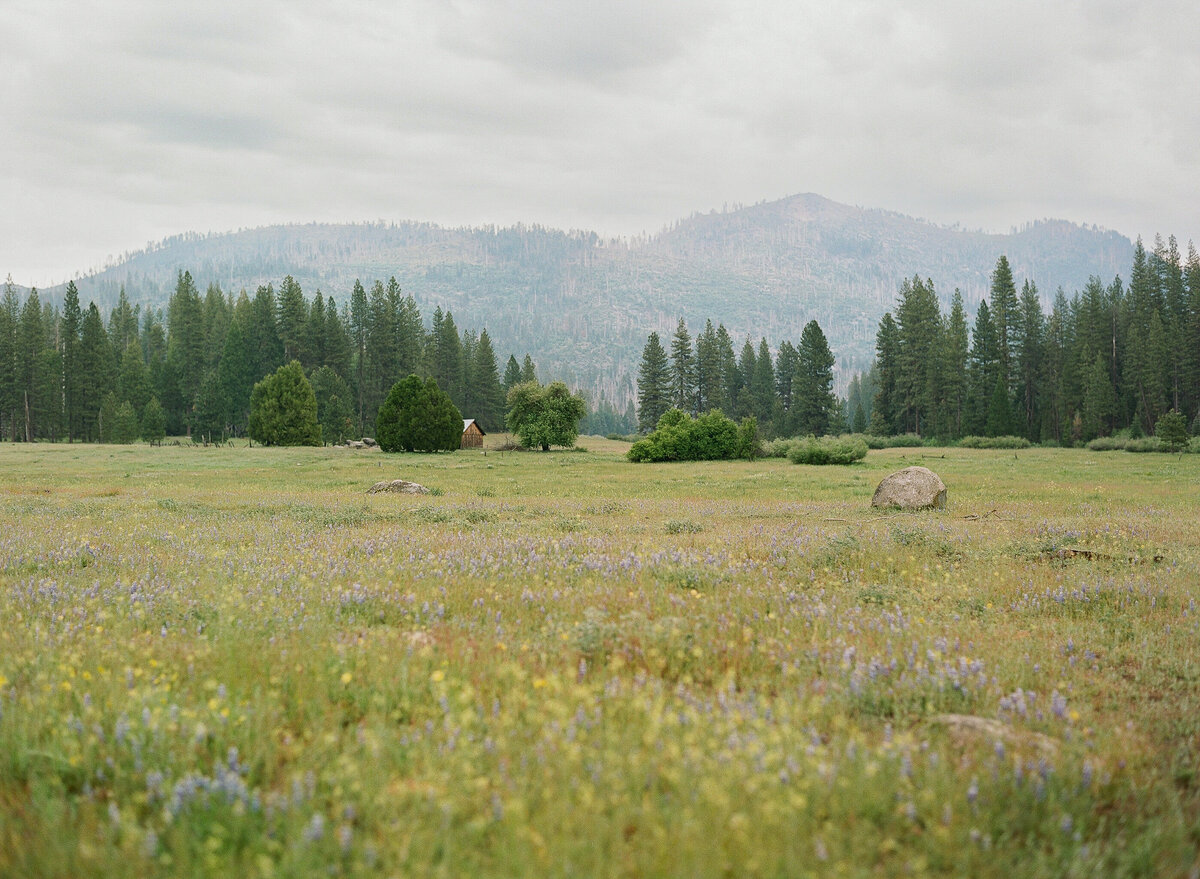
(234, 662)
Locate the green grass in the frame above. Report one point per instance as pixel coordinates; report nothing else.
(235, 662)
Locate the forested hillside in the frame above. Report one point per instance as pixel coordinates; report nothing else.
(583, 306)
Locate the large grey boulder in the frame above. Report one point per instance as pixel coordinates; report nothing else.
(913, 488)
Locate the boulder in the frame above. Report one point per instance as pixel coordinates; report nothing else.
(399, 486)
(355, 444)
(913, 488)
(369, 442)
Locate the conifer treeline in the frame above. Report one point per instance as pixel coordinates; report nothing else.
(1112, 357)
(788, 395)
(63, 371)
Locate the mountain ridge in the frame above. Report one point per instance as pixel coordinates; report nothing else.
(583, 305)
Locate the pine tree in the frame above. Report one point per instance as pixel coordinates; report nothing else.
(512, 374)
(983, 371)
(409, 334)
(486, 380)
(72, 404)
(709, 386)
(918, 323)
(654, 384)
(313, 350)
(217, 314)
(885, 409)
(10, 317)
(154, 422)
(953, 361)
(528, 370)
(743, 405)
(283, 409)
(292, 318)
(1028, 341)
(122, 324)
(133, 383)
(236, 372)
(683, 369)
(815, 399)
(336, 345)
(97, 372)
(762, 390)
(1004, 315)
(359, 322)
(186, 355)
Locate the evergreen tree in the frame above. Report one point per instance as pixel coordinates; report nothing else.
(236, 372)
(448, 358)
(186, 355)
(983, 371)
(814, 391)
(1004, 315)
(489, 395)
(418, 416)
(292, 320)
(885, 406)
(333, 405)
(654, 384)
(409, 333)
(209, 410)
(786, 365)
(709, 378)
(313, 350)
(918, 326)
(97, 368)
(1099, 400)
(283, 409)
(953, 361)
(10, 316)
(133, 384)
(72, 376)
(762, 391)
(336, 345)
(360, 320)
(31, 342)
(528, 370)
(683, 369)
(512, 374)
(1028, 339)
(216, 316)
(154, 422)
(743, 404)
(122, 324)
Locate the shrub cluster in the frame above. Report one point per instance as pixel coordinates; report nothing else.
(994, 442)
(899, 441)
(827, 450)
(711, 437)
(1139, 444)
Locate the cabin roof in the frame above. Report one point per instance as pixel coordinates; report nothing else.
(467, 422)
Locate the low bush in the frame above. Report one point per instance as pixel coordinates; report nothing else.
(711, 437)
(899, 441)
(827, 450)
(994, 442)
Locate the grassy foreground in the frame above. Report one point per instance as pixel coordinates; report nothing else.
(234, 662)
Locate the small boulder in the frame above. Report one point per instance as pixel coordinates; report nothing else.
(913, 488)
(399, 486)
(355, 444)
(369, 442)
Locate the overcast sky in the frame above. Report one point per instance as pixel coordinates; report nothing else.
(127, 121)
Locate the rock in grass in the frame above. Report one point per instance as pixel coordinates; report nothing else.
(399, 486)
(913, 488)
(964, 728)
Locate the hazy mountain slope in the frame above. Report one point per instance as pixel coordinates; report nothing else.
(583, 307)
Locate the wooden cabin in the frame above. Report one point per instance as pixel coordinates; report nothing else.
(473, 434)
